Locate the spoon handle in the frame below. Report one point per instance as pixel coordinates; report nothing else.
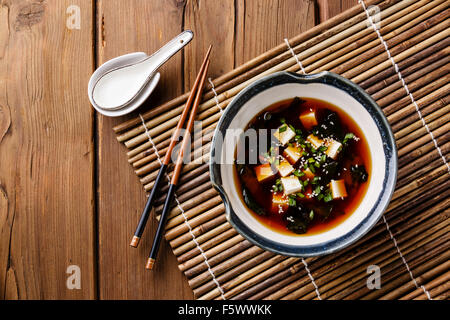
(157, 59)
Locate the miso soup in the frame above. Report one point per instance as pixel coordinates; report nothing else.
(313, 172)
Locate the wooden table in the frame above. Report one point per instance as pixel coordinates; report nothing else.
(69, 201)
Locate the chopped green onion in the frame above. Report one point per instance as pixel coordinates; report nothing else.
(317, 190)
(347, 137)
(298, 173)
(328, 197)
(292, 127)
(292, 202)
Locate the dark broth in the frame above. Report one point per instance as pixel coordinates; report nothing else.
(354, 153)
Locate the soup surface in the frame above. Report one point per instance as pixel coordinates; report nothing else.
(302, 166)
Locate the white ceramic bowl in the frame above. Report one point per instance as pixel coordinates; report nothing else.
(352, 100)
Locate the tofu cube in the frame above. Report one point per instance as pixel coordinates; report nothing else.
(291, 185)
(264, 172)
(338, 190)
(280, 203)
(333, 148)
(284, 168)
(309, 119)
(308, 174)
(292, 153)
(284, 134)
(316, 142)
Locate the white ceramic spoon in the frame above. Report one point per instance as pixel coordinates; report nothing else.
(115, 84)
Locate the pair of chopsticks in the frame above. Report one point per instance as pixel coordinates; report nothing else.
(194, 101)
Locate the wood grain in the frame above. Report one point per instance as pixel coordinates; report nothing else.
(329, 8)
(46, 151)
(262, 25)
(213, 23)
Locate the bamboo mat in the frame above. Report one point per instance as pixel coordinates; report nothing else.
(398, 51)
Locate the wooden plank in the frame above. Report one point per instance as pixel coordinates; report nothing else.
(46, 150)
(128, 26)
(262, 25)
(329, 8)
(213, 22)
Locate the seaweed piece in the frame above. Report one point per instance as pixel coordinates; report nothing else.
(296, 102)
(323, 211)
(251, 203)
(330, 127)
(298, 219)
(296, 224)
(329, 171)
(359, 173)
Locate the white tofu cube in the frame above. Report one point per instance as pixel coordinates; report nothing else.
(292, 153)
(309, 119)
(338, 190)
(284, 134)
(333, 148)
(264, 172)
(284, 167)
(316, 142)
(291, 185)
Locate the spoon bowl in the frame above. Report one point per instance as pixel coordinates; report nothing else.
(111, 64)
(122, 84)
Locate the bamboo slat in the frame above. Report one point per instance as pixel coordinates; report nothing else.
(417, 34)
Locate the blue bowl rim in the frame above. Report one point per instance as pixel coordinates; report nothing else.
(389, 146)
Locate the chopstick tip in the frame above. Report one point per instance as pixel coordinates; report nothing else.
(208, 52)
(135, 242)
(150, 264)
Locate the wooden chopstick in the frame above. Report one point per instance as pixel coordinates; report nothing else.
(176, 172)
(162, 171)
